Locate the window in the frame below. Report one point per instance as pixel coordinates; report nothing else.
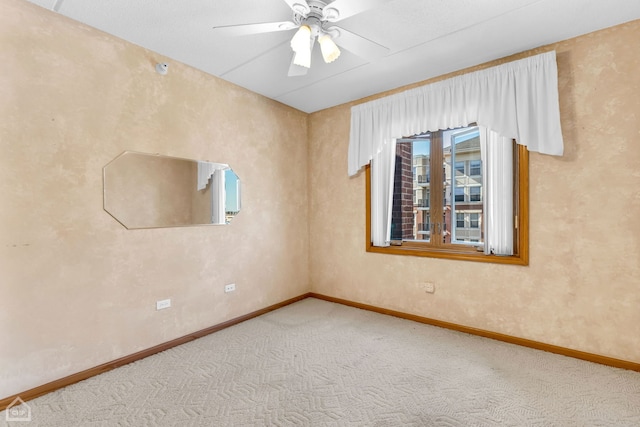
(475, 167)
(425, 202)
(424, 226)
(474, 193)
(474, 219)
(448, 186)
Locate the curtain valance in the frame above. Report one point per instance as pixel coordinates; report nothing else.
(517, 100)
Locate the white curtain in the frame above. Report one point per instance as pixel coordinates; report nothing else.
(205, 170)
(497, 173)
(382, 175)
(216, 173)
(518, 100)
(218, 197)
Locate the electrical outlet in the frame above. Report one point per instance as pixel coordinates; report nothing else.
(429, 287)
(230, 287)
(161, 305)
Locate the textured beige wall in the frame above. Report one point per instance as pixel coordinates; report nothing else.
(76, 288)
(582, 287)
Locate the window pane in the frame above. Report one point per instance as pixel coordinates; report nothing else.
(473, 220)
(461, 152)
(474, 194)
(421, 156)
(410, 218)
(475, 167)
(459, 194)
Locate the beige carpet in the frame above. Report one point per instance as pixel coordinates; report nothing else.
(316, 363)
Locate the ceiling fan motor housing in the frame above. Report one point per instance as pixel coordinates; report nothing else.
(316, 17)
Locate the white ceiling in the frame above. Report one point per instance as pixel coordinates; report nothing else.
(425, 38)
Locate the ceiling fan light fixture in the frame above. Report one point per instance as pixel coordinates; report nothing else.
(303, 58)
(301, 39)
(330, 51)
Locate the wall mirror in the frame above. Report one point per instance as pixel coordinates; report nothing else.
(152, 191)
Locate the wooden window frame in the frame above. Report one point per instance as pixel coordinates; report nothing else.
(463, 252)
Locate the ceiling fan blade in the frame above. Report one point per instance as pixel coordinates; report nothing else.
(296, 70)
(299, 6)
(342, 9)
(246, 29)
(356, 44)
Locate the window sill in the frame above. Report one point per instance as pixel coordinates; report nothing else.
(519, 259)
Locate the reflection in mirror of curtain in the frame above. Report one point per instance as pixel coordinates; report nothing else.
(152, 191)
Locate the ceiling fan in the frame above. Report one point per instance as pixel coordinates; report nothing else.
(314, 20)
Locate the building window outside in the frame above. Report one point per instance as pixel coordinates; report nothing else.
(474, 194)
(474, 220)
(459, 168)
(475, 168)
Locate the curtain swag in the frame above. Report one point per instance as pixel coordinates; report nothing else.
(518, 100)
